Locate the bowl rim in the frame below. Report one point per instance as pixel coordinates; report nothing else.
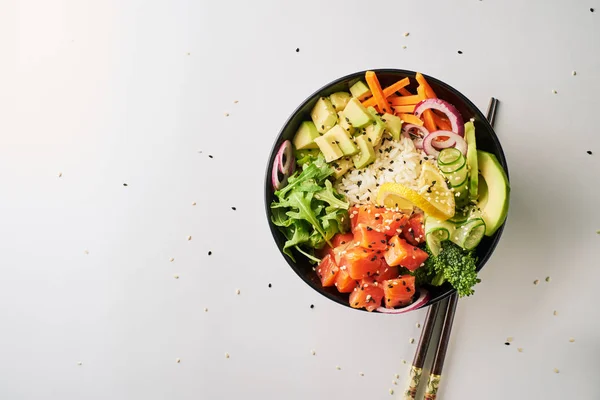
(273, 229)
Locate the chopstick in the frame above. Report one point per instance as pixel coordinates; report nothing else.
(442, 346)
(416, 370)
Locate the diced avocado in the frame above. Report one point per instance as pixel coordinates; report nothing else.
(393, 125)
(339, 100)
(343, 121)
(366, 155)
(323, 115)
(472, 159)
(338, 135)
(360, 90)
(341, 166)
(357, 114)
(329, 148)
(305, 136)
(494, 192)
(376, 129)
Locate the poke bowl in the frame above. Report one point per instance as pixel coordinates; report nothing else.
(387, 190)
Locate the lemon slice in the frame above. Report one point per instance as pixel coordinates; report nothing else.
(433, 197)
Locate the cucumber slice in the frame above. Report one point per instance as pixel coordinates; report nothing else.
(469, 235)
(449, 156)
(458, 177)
(436, 232)
(450, 168)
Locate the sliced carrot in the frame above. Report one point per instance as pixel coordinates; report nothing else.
(404, 100)
(388, 91)
(428, 90)
(405, 92)
(442, 122)
(378, 95)
(411, 119)
(404, 109)
(427, 115)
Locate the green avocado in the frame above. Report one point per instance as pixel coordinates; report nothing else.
(338, 135)
(357, 114)
(329, 148)
(345, 123)
(339, 100)
(472, 159)
(366, 155)
(305, 136)
(393, 125)
(360, 90)
(341, 166)
(494, 192)
(323, 115)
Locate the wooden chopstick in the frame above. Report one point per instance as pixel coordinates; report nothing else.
(416, 370)
(442, 346)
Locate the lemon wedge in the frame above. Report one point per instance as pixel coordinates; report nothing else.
(433, 197)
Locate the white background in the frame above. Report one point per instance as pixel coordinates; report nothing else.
(113, 92)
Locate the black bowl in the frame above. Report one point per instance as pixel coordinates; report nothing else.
(486, 140)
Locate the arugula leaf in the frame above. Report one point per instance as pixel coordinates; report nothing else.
(279, 217)
(302, 201)
(300, 235)
(318, 170)
(328, 196)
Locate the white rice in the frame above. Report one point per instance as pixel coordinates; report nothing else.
(397, 161)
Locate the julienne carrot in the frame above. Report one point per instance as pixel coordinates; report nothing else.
(404, 109)
(442, 122)
(405, 100)
(423, 82)
(377, 92)
(388, 91)
(411, 119)
(427, 115)
(405, 92)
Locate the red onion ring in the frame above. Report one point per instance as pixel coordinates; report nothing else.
(460, 143)
(277, 184)
(454, 117)
(443, 144)
(285, 150)
(420, 302)
(421, 129)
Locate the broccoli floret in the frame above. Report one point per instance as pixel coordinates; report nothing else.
(453, 265)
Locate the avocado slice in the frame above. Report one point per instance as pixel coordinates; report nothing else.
(360, 90)
(393, 124)
(305, 136)
(472, 159)
(357, 114)
(376, 130)
(329, 148)
(339, 100)
(494, 192)
(341, 166)
(366, 155)
(323, 115)
(345, 123)
(339, 136)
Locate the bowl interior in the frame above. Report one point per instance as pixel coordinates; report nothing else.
(486, 140)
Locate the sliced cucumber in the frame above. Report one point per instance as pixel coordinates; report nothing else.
(449, 168)
(436, 232)
(458, 177)
(469, 235)
(461, 194)
(449, 156)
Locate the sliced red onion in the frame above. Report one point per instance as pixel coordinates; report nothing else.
(277, 183)
(285, 152)
(420, 302)
(460, 143)
(454, 117)
(421, 129)
(443, 144)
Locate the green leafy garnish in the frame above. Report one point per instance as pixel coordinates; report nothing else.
(308, 211)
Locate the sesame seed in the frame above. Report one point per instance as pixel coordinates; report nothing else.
(520, 349)
(178, 360)
(397, 376)
(205, 309)
(404, 47)
(554, 91)
(176, 276)
(574, 73)
(79, 363)
(571, 340)
(314, 353)
(394, 383)
(338, 367)
(555, 313)
(189, 238)
(194, 203)
(86, 252)
(361, 373)
(547, 279)
(238, 291)
(210, 253)
(60, 174)
(406, 34)
(536, 281)
(411, 340)
(509, 339)
(391, 391)
(226, 355)
(227, 114)
(171, 259)
(403, 361)
(235, 102)
(418, 325)
(556, 371)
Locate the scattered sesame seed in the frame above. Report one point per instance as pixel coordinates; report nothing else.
(194, 203)
(406, 34)
(589, 152)
(314, 353)
(418, 325)
(312, 306)
(210, 156)
(547, 279)
(227, 114)
(391, 391)
(178, 360)
(235, 102)
(79, 363)
(556, 371)
(210, 253)
(270, 285)
(574, 73)
(520, 349)
(554, 91)
(233, 208)
(86, 252)
(555, 313)
(226, 355)
(404, 47)
(205, 309)
(176, 276)
(297, 50)
(397, 376)
(338, 367)
(124, 184)
(460, 52)
(238, 291)
(536, 281)
(361, 373)
(394, 383)
(189, 238)
(171, 259)
(60, 174)
(509, 339)
(507, 343)
(403, 361)
(571, 340)
(411, 340)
